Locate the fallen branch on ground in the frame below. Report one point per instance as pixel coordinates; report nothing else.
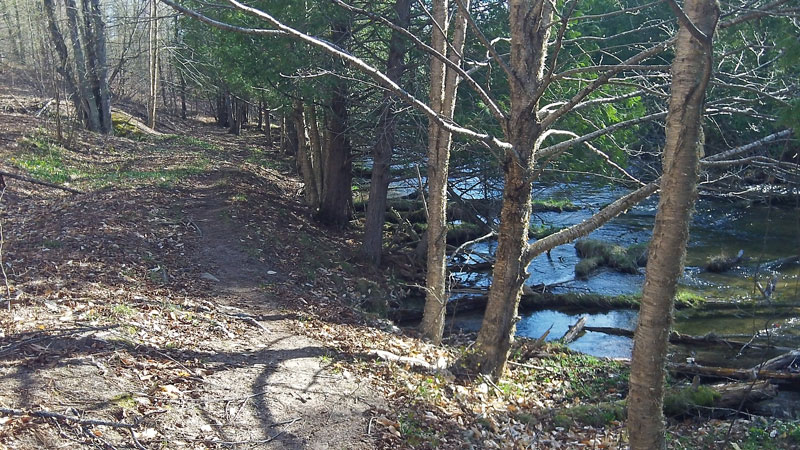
(39, 182)
(51, 415)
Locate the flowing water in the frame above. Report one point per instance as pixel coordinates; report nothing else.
(764, 233)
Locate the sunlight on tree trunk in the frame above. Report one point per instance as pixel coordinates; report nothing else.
(152, 96)
(529, 39)
(691, 71)
(444, 85)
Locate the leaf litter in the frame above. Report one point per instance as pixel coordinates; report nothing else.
(113, 319)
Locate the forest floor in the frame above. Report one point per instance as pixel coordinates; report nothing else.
(186, 299)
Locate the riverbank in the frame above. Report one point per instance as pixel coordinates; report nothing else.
(186, 298)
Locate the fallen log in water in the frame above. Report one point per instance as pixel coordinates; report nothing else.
(752, 373)
(679, 338)
(574, 330)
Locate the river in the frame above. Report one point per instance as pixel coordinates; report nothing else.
(765, 233)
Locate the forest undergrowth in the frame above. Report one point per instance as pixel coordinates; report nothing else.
(185, 298)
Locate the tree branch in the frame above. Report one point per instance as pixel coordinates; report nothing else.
(39, 182)
(603, 79)
(489, 47)
(496, 112)
(685, 22)
(748, 147)
(358, 64)
(587, 226)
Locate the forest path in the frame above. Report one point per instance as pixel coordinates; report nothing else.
(114, 316)
(288, 391)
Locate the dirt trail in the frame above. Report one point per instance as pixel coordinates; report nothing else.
(114, 316)
(283, 385)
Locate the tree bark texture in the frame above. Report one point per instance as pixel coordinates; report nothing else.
(315, 142)
(334, 209)
(691, 70)
(87, 84)
(304, 156)
(101, 67)
(382, 150)
(444, 85)
(529, 35)
(152, 96)
(89, 110)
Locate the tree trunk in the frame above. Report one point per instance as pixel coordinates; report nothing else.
(304, 156)
(316, 150)
(260, 115)
(268, 126)
(63, 67)
(382, 151)
(289, 136)
(88, 113)
(153, 64)
(236, 115)
(101, 68)
(444, 85)
(334, 209)
(691, 70)
(529, 36)
(182, 92)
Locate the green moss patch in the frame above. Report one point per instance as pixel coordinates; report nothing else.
(596, 253)
(554, 205)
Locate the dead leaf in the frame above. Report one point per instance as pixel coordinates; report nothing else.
(171, 391)
(147, 434)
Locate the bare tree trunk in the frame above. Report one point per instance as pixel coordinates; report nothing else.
(63, 67)
(382, 151)
(88, 113)
(289, 136)
(260, 115)
(304, 157)
(268, 125)
(100, 68)
(444, 85)
(529, 35)
(334, 209)
(316, 149)
(236, 115)
(691, 70)
(182, 80)
(153, 64)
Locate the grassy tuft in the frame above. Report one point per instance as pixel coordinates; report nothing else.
(599, 253)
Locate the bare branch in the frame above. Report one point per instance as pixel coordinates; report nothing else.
(766, 10)
(616, 13)
(587, 226)
(489, 47)
(548, 152)
(222, 25)
(686, 22)
(746, 148)
(493, 107)
(361, 66)
(603, 79)
(620, 67)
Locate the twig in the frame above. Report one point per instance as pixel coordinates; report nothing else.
(286, 422)
(249, 319)
(46, 105)
(39, 182)
(136, 441)
(78, 420)
(256, 441)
